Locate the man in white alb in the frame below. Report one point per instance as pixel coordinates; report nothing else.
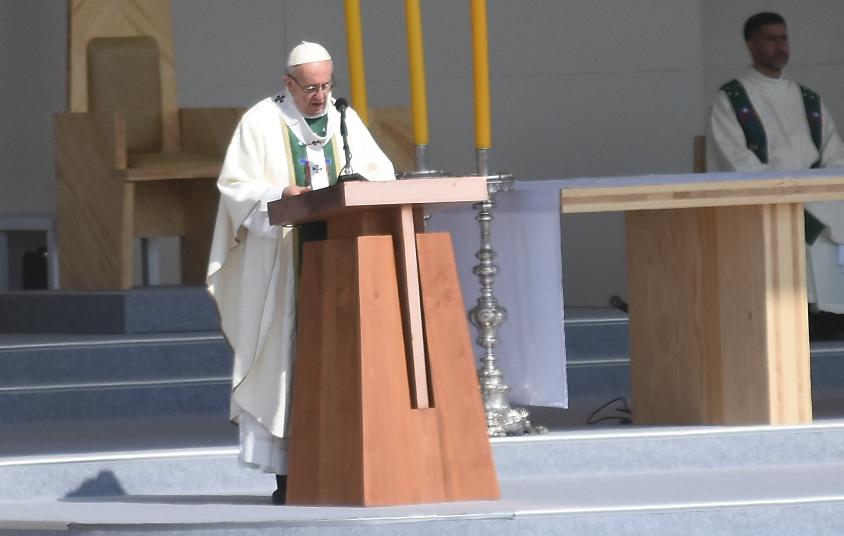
(764, 121)
(284, 145)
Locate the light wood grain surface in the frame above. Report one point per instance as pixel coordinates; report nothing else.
(119, 18)
(357, 438)
(105, 197)
(598, 198)
(330, 202)
(718, 315)
(391, 126)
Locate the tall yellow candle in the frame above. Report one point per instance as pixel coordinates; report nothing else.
(354, 45)
(416, 64)
(480, 50)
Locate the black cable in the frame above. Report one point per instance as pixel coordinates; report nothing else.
(622, 419)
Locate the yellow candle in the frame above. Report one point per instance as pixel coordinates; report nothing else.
(480, 49)
(354, 44)
(416, 63)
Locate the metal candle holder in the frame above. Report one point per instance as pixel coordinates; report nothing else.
(487, 316)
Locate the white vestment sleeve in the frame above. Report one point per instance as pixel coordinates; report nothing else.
(242, 183)
(258, 221)
(832, 149)
(726, 147)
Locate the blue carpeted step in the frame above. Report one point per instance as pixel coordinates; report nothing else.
(135, 311)
(595, 333)
(86, 377)
(597, 383)
(108, 401)
(71, 360)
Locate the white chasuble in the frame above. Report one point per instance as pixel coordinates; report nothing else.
(251, 272)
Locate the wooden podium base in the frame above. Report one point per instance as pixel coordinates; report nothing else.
(355, 437)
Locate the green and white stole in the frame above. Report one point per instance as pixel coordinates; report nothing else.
(305, 164)
(757, 140)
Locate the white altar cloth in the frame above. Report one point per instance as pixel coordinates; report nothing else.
(526, 238)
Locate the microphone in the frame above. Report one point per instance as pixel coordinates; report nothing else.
(346, 174)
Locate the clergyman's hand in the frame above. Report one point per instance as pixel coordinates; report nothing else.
(294, 190)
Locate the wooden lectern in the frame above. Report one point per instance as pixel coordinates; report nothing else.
(386, 407)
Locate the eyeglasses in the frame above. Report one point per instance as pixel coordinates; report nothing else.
(312, 89)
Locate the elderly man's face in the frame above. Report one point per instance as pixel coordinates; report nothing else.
(310, 86)
(770, 49)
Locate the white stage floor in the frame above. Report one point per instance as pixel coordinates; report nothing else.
(522, 498)
(653, 500)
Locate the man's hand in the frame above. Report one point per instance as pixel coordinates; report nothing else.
(294, 190)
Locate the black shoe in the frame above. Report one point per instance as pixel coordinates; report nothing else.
(280, 494)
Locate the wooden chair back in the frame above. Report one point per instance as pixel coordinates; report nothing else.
(92, 19)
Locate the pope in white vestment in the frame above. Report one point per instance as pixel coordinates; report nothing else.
(284, 145)
(780, 106)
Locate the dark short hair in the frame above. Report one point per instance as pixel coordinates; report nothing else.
(755, 23)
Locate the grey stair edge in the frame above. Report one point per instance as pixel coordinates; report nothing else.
(642, 432)
(594, 315)
(816, 349)
(47, 341)
(111, 385)
(628, 432)
(123, 455)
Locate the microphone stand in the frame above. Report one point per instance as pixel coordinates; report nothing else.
(346, 174)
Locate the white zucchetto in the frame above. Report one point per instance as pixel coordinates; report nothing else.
(306, 52)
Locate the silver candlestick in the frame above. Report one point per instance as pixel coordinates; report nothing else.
(487, 316)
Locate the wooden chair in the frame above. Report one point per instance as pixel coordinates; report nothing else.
(392, 128)
(129, 163)
(699, 149)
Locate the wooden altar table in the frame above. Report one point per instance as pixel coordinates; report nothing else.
(717, 291)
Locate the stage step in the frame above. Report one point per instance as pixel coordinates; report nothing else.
(127, 430)
(595, 334)
(562, 454)
(71, 393)
(597, 348)
(152, 382)
(690, 480)
(135, 311)
(70, 377)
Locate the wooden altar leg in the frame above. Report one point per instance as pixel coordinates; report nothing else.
(718, 315)
(355, 437)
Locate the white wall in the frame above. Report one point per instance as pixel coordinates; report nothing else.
(33, 38)
(572, 84)
(579, 87)
(814, 28)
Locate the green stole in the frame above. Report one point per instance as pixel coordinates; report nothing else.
(757, 140)
(297, 153)
(297, 163)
